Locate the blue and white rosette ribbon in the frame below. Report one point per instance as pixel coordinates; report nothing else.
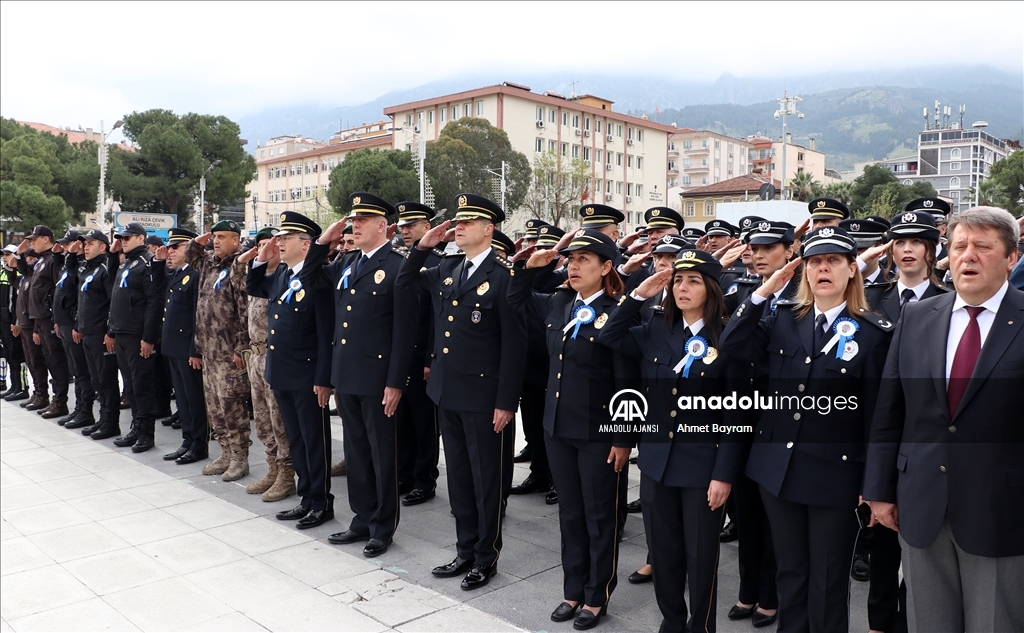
(293, 286)
(63, 277)
(85, 286)
(582, 316)
(124, 277)
(696, 349)
(221, 276)
(845, 329)
(344, 278)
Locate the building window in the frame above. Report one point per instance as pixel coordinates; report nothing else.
(565, 118)
(444, 114)
(718, 144)
(618, 159)
(629, 161)
(538, 146)
(608, 186)
(686, 163)
(954, 166)
(955, 153)
(280, 151)
(704, 143)
(954, 183)
(455, 113)
(466, 109)
(639, 191)
(551, 146)
(586, 153)
(686, 181)
(718, 163)
(799, 155)
(430, 117)
(618, 187)
(639, 137)
(263, 153)
(586, 123)
(690, 212)
(551, 116)
(687, 144)
(629, 188)
(479, 108)
(703, 180)
(726, 199)
(576, 121)
(565, 149)
(618, 131)
(709, 207)
(575, 152)
(703, 162)
(540, 113)
(599, 126)
(629, 133)
(598, 156)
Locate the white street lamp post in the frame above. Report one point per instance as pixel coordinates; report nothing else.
(787, 107)
(200, 227)
(102, 157)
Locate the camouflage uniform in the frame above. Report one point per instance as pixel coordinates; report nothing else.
(269, 425)
(221, 333)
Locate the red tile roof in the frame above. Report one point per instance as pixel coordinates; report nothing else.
(739, 184)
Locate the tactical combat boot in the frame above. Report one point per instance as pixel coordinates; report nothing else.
(57, 409)
(146, 437)
(239, 465)
(39, 400)
(263, 485)
(284, 486)
(219, 465)
(131, 437)
(108, 426)
(83, 417)
(71, 417)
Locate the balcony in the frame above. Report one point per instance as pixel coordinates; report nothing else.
(673, 171)
(696, 151)
(696, 169)
(673, 153)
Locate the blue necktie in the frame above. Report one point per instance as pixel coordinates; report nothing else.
(362, 262)
(466, 269)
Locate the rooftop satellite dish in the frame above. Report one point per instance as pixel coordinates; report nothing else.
(766, 192)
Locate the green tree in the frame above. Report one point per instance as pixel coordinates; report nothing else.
(558, 188)
(44, 179)
(1007, 176)
(389, 174)
(457, 162)
(173, 153)
(840, 191)
(878, 192)
(803, 187)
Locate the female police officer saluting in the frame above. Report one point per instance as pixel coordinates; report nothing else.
(825, 353)
(585, 468)
(686, 469)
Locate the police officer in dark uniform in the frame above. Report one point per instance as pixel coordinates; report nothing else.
(136, 307)
(476, 376)
(12, 348)
(373, 336)
(532, 232)
(178, 344)
(65, 313)
(418, 433)
(503, 244)
(96, 281)
(868, 233)
(606, 219)
(298, 357)
(660, 221)
(771, 245)
(823, 350)
(827, 212)
(692, 234)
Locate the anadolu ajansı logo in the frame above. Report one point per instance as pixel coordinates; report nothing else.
(628, 405)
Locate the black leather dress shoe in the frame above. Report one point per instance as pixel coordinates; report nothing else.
(740, 613)
(454, 568)
(478, 577)
(294, 514)
(417, 496)
(169, 420)
(169, 457)
(636, 578)
(14, 396)
(564, 612)
(191, 457)
(588, 619)
(315, 518)
(759, 619)
(346, 537)
(551, 498)
(633, 507)
(728, 534)
(861, 570)
(375, 547)
(525, 455)
(530, 484)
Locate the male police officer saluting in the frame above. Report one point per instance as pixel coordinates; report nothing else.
(475, 378)
(373, 336)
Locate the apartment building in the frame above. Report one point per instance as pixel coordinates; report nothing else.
(766, 154)
(628, 155)
(699, 205)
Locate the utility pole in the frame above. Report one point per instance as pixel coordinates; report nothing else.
(787, 107)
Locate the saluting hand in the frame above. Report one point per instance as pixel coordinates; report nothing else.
(433, 237)
(654, 284)
(161, 254)
(779, 279)
(75, 247)
(540, 259)
(391, 398)
(635, 262)
(204, 239)
(24, 246)
(116, 246)
(873, 253)
(566, 240)
(269, 251)
(389, 232)
(247, 256)
(702, 243)
(731, 253)
(801, 230)
(526, 253)
(629, 239)
(333, 232)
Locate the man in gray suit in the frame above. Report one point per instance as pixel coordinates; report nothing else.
(945, 466)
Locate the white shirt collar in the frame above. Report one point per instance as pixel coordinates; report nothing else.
(297, 268)
(696, 327)
(830, 315)
(873, 276)
(591, 298)
(918, 289)
(369, 254)
(992, 304)
(778, 295)
(479, 259)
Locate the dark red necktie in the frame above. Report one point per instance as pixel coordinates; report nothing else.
(964, 360)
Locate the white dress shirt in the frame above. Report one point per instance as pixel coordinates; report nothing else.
(918, 290)
(830, 315)
(476, 262)
(959, 320)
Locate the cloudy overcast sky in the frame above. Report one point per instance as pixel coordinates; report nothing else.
(77, 63)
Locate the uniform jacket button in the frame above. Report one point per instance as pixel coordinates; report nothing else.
(789, 444)
(942, 469)
(796, 416)
(952, 428)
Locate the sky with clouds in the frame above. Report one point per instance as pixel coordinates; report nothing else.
(72, 64)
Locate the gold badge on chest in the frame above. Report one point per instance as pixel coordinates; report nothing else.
(483, 288)
(184, 280)
(449, 281)
(710, 356)
(300, 294)
(600, 321)
(379, 276)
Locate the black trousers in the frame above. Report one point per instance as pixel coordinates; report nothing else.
(814, 551)
(308, 427)
(103, 373)
(531, 407)
(35, 360)
(371, 455)
(163, 384)
(139, 374)
(418, 433)
(14, 354)
(588, 515)
(885, 611)
(479, 468)
(54, 356)
(188, 384)
(756, 551)
(684, 552)
(78, 366)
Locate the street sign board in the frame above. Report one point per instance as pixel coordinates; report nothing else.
(158, 224)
